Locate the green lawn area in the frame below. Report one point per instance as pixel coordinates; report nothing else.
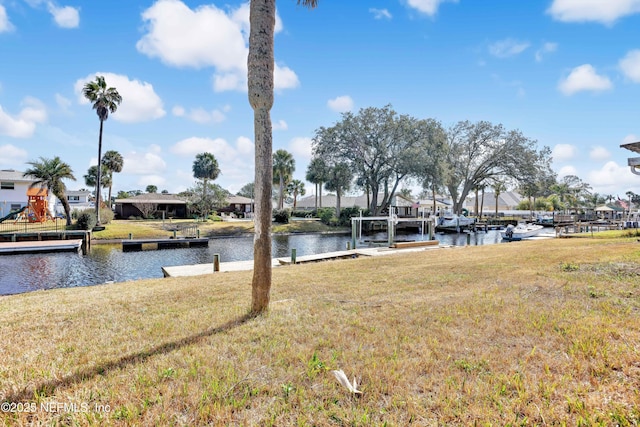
(529, 333)
(142, 229)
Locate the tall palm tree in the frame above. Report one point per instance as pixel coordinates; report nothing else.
(283, 167)
(113, 162)
(498, 188)
(317, 174)
(50, 173)
(260, 64)
(105, 100)
(296, 188)
(205, 167)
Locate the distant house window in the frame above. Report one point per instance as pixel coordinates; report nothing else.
(74, 199)
(7, 186)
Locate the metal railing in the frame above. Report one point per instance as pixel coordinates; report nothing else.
(13, 226)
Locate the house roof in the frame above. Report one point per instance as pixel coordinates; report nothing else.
(634, 146)
(238, 200)
(156, 198)
(14, 175)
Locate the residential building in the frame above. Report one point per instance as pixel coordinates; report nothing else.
(13, 192)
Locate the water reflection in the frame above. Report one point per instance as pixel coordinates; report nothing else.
(107, 263)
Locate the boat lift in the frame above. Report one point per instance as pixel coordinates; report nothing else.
(392, 220)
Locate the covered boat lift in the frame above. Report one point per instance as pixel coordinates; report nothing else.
(392, 220)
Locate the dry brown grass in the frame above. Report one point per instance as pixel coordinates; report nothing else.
(533, 333)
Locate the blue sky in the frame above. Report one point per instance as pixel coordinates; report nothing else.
(564, 72)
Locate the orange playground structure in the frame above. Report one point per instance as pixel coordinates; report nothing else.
(38, 208)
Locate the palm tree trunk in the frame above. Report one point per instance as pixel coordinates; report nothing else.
(65, 206)
(98, 198)
(262, 18)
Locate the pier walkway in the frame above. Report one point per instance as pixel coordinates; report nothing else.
(207, 268)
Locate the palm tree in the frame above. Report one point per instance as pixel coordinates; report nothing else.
(498, 188)
(339, 180)
(91, 179)
(317, 174)
(50, 173)
(283, 167)
(260, 64)
(296, 188)
(205, 167)
(113, 162)
(105, 100)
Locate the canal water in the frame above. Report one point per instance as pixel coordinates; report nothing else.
(107, 263)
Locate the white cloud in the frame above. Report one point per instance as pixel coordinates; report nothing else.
(380, 13)
(564, 152)
(567, 170)
(199, 115)
(140, 103)
(156, 180)
(301, 148)
(205, 37)
(63, 102)
(11, 156)
(23, 124)
(605, 12)
(630, 138)
(341, 104)
(66, 16)
(599, 153)
(611, 178)
(630, 65)
(546, 48)
(236, 161)
(508, 47)
(428, 7)
(584, 78)
(149, 162)
(280, 125)
(5, 24)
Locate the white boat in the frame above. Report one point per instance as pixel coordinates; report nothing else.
(452, 222)
(520, 231)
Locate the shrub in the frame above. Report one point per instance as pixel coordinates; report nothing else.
(325, 215)
(106, 215)
(86, 219)
(347, 213)
(281, 216)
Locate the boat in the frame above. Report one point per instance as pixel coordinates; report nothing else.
(454, 223)
(520, 231)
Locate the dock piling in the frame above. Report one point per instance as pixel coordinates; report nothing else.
(293, 255)
(216, 262)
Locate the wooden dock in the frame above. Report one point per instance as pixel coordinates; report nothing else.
(208, 268)
(32, 247)
(156, 244)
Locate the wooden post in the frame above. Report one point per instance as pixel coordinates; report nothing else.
(293, 256)
(174, 234)
(468, 239)
(353, 231)
(216, 262)
(348, 245)
(130, 236)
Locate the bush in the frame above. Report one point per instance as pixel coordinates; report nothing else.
(86, 220)
(347, 213)
(106, 215)
(325, 215)
(281, 216)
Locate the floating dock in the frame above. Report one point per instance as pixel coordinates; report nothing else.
(32, 247)
(142, 244)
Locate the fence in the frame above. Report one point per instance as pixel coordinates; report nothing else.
(13, 226)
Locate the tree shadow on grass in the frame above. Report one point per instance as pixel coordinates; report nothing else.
(47, 388)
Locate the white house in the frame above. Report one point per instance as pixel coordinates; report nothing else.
(78, 200)
(13, 192)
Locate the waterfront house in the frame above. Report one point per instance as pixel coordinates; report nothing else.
(152, 204)
(13, 191)
(78, 200)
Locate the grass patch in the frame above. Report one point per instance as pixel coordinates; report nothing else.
(485, 335)
(148, 229)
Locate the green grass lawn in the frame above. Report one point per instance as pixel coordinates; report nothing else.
(143, 229)
(529, 333)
